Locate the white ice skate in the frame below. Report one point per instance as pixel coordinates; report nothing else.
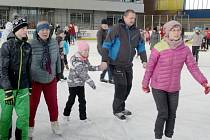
(56, 128)
(66, 119)
(167, 138)
(30, 133)
(120, 116)
(86, 121)
(126, 112)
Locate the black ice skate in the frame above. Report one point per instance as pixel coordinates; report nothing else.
(127, 112)
(120, 116)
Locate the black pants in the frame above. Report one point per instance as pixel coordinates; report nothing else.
(65, 60)
(123, 76)
(195, 51)
(207, 44)
(62, 68)
(167, 104)
(80, 92)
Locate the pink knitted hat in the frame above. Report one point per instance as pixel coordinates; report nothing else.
(169, 25)
(82, 46)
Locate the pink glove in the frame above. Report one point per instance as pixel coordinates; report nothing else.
(206, 88)
(146, 89)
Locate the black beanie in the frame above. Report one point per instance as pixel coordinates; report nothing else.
(104, 21)
(19, 23)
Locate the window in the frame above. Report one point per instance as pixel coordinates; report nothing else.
(83, 20)
(197, 4)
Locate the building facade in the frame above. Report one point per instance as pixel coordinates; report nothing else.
(87, 14)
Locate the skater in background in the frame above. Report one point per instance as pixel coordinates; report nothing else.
(45, 71)
(203, 45)
(66, 52)
(197, 38)
(78, 76)
(8, 27)
(155, 38)
(101, 36)
(76, 31)
(147, 34)
(58, 27)
(60, 39)
(207, 34)
(15, 81)
(67, 34)
(161, 32)
(164, 69)
(51, 29)
(119, 48)
(72, 33)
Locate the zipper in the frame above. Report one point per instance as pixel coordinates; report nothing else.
(129, 41)
(21, 63)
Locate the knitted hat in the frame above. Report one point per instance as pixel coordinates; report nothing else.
(19, 23)
(82, 46)
(42, 25)
(104, 21)
(169, 25)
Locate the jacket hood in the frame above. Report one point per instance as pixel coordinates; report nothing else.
(11, 36)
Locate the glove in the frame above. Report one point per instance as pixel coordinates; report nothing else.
(144, 64)
(58, 77)
(30, 91)
(146, 89)
(206, 88)
(92, 85)
(9, 98)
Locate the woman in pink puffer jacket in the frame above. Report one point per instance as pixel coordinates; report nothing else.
(164, 69)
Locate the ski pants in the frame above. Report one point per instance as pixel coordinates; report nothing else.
(21, 107)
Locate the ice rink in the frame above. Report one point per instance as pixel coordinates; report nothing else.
(193, 115)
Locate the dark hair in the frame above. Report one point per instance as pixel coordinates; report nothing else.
(155, 28)
(104, 21)
(120, 20)
(129, 11)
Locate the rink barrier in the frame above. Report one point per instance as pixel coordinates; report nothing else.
(82, 34)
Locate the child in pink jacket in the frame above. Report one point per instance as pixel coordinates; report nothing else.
(164, 70)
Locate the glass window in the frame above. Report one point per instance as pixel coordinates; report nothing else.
(86, 18)
(197, 4)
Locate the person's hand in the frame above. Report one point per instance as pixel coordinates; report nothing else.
(103, 66)
(146, 89)
(9, 98)
(58, 77)
(92, 84)
(206, 88)
(144, 65)
(29, 91)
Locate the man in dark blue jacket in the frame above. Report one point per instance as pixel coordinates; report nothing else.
(120, 46)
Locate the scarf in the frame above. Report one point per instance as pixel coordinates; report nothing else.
(46, 60)
(173, 44)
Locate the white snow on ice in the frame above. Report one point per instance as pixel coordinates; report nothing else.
(193, 115)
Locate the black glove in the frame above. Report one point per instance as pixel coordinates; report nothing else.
(58, 77)
(9, 98)
(30, 91)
